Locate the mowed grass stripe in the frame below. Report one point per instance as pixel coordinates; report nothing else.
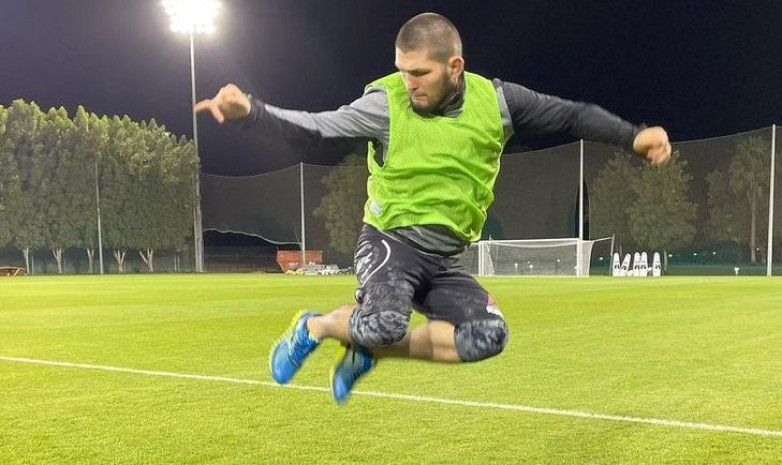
(415, 398)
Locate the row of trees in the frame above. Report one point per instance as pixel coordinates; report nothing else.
(60, 176)
(653, 208)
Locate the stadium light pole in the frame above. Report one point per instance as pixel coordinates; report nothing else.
(194, 17)
(770, 251)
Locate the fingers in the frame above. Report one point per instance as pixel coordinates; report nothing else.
(659, 155)
(214, 108)
(229, 103)
(667, 152)
(202, 105)
(216, 113)
(654, 144)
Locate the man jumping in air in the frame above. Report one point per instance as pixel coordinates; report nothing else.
(435, 134)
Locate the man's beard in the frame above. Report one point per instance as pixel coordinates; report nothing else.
(447, 88)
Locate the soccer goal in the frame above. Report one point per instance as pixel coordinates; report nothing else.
(531, 257)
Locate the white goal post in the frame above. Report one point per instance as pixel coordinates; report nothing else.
(530, 257)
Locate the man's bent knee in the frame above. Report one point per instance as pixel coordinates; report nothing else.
(379, 328)
(480, 339)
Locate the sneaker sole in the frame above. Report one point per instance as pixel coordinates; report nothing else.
(340, 355)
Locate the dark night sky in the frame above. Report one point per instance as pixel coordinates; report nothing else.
(700, 68)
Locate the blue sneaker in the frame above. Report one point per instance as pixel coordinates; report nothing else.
(352, 363)
(292, 349)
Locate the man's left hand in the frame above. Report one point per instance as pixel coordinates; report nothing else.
(653, 144)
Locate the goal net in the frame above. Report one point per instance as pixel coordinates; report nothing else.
(532, 257)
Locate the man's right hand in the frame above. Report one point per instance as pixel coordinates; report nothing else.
(230, 103)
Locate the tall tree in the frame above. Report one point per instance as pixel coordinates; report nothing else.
(118, 187)
(90, 142)
(165, 193)
(343, 207)
(728, 217)
(612, 195)
(148, 203)
(10, 185)
(749, 180)
(662, 216)
(180, 165)
(62, 197)
(23, 136)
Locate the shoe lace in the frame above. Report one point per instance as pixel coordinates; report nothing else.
(299, 347)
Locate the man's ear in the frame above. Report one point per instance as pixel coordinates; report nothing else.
(455, 66)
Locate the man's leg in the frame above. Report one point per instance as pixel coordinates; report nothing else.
(304, 336)
(433, 341)
(436, 340)
(482, 334)
(430, 341)
(388, 277)
(390, 274)
(465, 324)
(332, 325)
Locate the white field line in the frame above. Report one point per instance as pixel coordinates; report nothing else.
(421, 399)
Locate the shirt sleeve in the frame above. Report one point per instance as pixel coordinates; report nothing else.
(365, 118)
(535, 113)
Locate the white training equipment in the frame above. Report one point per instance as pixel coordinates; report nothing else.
(657, 269)
(636, 264)
(616, 267)
(625, 271)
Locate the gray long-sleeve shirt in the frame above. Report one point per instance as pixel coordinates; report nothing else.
(523, 111)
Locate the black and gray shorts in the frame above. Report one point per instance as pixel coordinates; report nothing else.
(394, 278)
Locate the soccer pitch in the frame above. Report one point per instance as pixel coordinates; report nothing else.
(173, 369)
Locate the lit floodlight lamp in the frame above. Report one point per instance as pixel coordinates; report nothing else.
(192, 16)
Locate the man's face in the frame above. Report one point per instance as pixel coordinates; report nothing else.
(428, 81)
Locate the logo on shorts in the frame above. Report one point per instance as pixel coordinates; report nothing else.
(492, 308)
(362, 264)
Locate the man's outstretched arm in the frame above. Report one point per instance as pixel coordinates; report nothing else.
(366, 117)
(535, 113)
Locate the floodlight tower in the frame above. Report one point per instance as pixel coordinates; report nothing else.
(194, 17)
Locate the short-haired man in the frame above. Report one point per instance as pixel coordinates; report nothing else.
(435, 136)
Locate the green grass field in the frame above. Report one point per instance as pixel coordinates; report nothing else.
(701, 355)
